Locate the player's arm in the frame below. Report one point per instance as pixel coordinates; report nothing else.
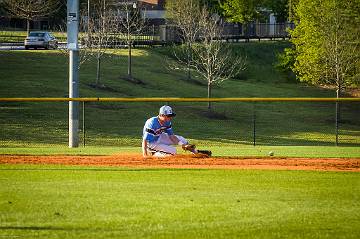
(188, 147)
(174, 139)
(144, 148)
(148, 135)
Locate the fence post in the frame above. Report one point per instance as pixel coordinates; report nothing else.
(254, 124)
(73, 93)
(83, 122)
(337, 115)
(72, 45)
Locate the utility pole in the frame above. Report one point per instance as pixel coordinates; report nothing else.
(72, 45)
(88, 20)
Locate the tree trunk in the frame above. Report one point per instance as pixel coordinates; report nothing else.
(28, 26)
(246, 33)
(98, 70)
(337, 117)
(188, 61)
(129, 60)
(209, 96)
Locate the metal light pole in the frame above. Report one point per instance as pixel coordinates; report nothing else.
(72, 45)
(88, 19)
(129, 20)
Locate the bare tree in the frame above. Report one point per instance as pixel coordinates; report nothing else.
(129, 24)
(100, 35)
(212, 58)
(341, 52)
(96, 35)
(341, 56)
(85, 51)
(185, 14)
(31, 10)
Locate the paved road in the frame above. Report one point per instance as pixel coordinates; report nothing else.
(9, 47)
(17, 46)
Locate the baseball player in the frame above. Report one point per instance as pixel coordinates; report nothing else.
(158, 137)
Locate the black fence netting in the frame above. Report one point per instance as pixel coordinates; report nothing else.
(28, 124)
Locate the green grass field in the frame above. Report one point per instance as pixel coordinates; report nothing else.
(44, 74)
(89, 202)
(54, 201)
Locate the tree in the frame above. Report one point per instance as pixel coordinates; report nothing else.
(96, 33)
(213, 6)
(100, 34)
(85, 51)
(244, 11)
(327, 44)
(291, 10)
(280, 8)
(129, 24)
(241, 11)
(212, 58)
(185, 15)
(31, 10)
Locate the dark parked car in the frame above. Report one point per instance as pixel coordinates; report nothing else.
(41, 39)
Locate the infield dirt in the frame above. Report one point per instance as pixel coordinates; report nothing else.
(189, 161)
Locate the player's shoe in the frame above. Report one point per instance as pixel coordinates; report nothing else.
(158, 153)
(161, 154)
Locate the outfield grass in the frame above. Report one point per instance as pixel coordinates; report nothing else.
(89, 202)
(44, 74)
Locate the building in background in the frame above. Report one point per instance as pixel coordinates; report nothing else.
(155, 17)
(153, 11)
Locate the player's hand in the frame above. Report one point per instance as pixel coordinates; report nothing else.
(189, 147)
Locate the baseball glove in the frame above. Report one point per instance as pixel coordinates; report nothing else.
(207, 153)
(189, 147)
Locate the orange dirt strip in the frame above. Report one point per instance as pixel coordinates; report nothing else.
(188, 161)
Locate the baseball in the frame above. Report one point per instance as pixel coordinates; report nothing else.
(271, 153)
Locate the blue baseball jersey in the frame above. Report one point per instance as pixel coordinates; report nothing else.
(153, 129)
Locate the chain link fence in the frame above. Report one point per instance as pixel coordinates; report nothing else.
(32, 124)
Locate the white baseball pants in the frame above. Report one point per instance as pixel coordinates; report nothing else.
(164, 146)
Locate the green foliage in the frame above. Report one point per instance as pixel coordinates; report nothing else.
(240, 10)
(182, 12)
(279, 8)
(244, 11)
(286, 61)
(212, 5)
(327, 41)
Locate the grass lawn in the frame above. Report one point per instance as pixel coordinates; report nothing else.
(88, 202)
(55, 201)
(44, 74)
